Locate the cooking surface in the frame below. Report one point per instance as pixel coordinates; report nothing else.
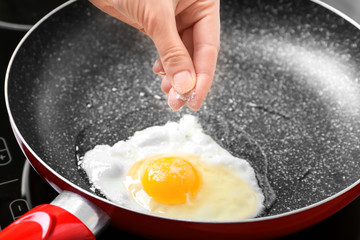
(345, 219)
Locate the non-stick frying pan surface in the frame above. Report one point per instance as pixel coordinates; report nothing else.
(286, 94)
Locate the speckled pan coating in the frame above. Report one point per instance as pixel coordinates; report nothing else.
(286, 94)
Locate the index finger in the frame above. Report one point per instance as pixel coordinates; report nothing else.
(206, 37)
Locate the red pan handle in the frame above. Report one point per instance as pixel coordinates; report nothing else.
(48, 222)
(69, 216)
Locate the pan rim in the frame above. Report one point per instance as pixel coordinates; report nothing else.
(21, 141)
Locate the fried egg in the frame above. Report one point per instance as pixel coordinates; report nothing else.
(178, 171)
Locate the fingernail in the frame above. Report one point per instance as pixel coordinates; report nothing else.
(174, 103)
(193, 103)
(161, 74)
(186, 97)
(157, 67)
(183, 82)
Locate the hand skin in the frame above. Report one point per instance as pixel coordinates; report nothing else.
(186, 34)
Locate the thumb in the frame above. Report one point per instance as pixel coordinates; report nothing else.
(174, 57)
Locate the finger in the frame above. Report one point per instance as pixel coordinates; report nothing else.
(182, 5)
(187, 38)
(174, 56)
(199, 93)
(206, 37)
(158, 67)
(174, 102)
(165, 85)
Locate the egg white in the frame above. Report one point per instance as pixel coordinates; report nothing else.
(107, 166)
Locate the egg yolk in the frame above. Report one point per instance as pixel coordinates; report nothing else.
(169, 179)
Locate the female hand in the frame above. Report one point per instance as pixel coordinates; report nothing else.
(186, 34)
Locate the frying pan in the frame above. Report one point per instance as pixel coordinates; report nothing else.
(286, 97)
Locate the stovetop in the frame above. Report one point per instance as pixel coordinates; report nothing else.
(22, 189)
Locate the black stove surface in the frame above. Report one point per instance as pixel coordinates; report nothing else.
(22, 189)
